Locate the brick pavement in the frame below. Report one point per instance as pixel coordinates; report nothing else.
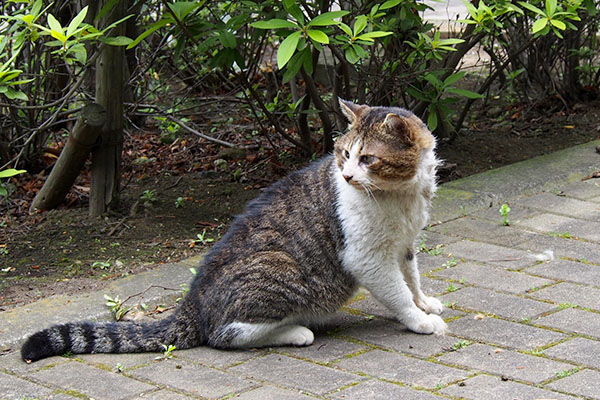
(520, 327)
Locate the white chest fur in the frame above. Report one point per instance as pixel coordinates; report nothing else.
(380, 229)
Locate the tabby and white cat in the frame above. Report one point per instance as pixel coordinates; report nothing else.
(300, 251)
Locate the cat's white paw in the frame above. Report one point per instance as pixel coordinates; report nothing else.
(299, 336)
(430, 305)
(428, 324)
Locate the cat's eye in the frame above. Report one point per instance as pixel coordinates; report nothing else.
(366, 160)
(346, 154)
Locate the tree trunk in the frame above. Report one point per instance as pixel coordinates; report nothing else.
(67, 167)
(110, 82)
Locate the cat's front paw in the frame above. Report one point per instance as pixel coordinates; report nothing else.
(430, 305)
(429, 324)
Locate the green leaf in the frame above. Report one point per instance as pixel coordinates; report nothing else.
(228, 39)
(327, 18)
(531, 8)
(7, 173)
(79, 52)
(375, 34)
(318, 36)
(432, 120)
(273, 24)
(293, 67)
(307, 61)
(154, 27)
(287, 49)
(55, 25)
(117, 41)
(452, 79)
(182, 8)
(539, 25)
(464, 93)
(345, 28)
(390, 4)
(107, 7)
(351, 55)
(550, 7)
(58, 36)
(559, 24)
(75, 22)
(360, 24)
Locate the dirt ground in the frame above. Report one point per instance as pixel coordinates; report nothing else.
(178, 198)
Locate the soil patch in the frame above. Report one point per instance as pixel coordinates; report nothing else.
(179, 196)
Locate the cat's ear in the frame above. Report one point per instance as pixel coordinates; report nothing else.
(349, 109)
(399, 127)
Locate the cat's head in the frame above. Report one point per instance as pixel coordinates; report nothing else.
(383, 146)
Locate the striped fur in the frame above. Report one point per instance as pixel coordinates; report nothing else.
(299, 252)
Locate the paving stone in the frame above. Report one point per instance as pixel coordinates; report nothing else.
(517, 212)
(573, 320)
(367, 304)
(582, 190)
(559, 224)
(436, 287)
(595, 199)
(127, 361)
(12, 387)
(400, 368)
(504, 333)
(208, 382)
(562, 205)
(474, 228)
(164, 394)
(13, 362)
(494, 388)
(486, 276)
(578, 350)
(379, 390)
(504, 305)
(428, 263)
(433, 239)
(570, 248)
(77, 376)
(583, 383)
(509, 363)
(217, 358)
(504, 257)
(565, 292)
(272, 393)
(568, 271)
(287, 371)
(324, 349)
(394, 336)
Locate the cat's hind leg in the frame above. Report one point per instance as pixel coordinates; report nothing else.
(246, 335)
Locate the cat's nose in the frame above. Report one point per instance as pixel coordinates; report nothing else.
(348, 178)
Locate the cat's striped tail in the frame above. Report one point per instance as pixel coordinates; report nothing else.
(111, 337)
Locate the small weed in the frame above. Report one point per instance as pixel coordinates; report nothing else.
(525, 319)
(504, 210)
(460, 344)
(179, 202)
(462, 281)
(451, 288)
(167, 353)
(563, 306)
(119, 367)
(535, 352)
(438, 386)
(566, 372)
(564, 235)
(149, 196)
(3, 250)
(432, 251)
(101, 264)
(450, 263)
(201, 238)
(116, 306)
